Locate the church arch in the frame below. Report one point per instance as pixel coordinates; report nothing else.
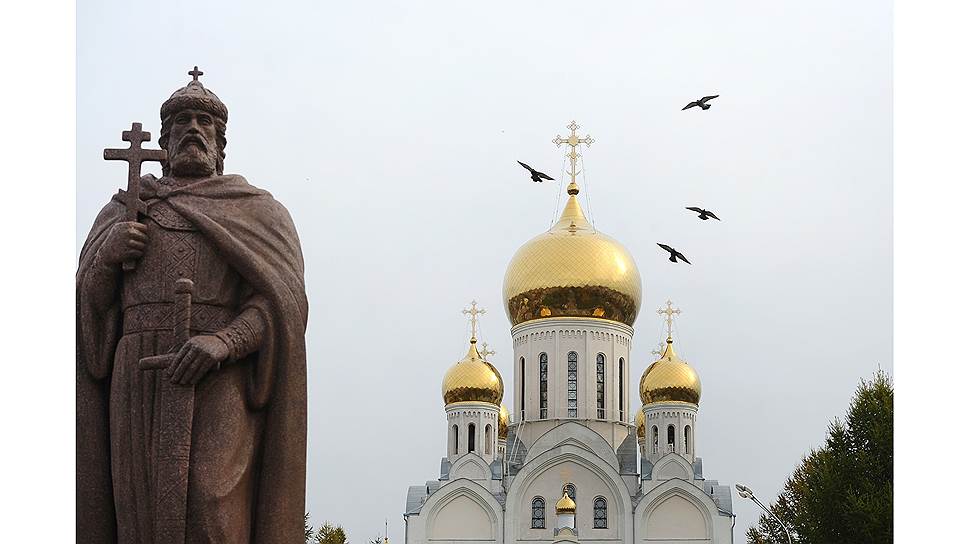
(675, 510)
(462, 510)
(487, 439)
(671, 438)
(471, 435)
(687, 439)
(521, 490)
(455, 439)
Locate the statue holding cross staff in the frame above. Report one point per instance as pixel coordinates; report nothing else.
(191, 361)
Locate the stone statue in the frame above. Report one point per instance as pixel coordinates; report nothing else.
(191, 360)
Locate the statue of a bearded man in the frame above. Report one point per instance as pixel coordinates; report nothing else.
(245, 356)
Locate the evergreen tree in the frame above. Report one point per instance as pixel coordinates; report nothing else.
(308, 529)
(328, 534)
(843, 491)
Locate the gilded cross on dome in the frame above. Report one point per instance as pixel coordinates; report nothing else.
(574, 141)
(485, 352)
(474, 312)
(669, 311)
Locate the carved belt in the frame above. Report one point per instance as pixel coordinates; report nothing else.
(159, 316)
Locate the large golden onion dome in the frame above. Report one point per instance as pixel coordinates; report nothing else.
(565, 505)
(572, 270)
(640, 424)
(670, 379)
(503, 418)
(472, 379)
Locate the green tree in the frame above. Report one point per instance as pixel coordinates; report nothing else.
(843, 491)
(328, 534)
(308, 529)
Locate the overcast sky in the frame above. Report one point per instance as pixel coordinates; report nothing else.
(391, 132)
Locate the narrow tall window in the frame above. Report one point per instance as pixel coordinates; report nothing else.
(671, 437)
(685, 435)
(471, 431)
(543, 384)
(487, 439)
(456, 439)
(655, 439)
(523, 376)
(572, 384)
(537, 513)
(621, 389)
(600, 385)
(601, 513)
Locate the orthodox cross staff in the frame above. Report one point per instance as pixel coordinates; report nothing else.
(175, 436)
(134, 155)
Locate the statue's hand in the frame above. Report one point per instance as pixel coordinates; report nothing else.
(126, 241)
(196, 358)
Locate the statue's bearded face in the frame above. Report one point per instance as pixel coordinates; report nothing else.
(192, 145)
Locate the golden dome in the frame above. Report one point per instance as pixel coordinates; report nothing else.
(670, 379)
(572, 270)
(472, 379)
(565, 505)
(503, 419)
(640, 424)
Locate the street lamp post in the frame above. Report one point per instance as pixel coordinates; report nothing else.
(747, 493)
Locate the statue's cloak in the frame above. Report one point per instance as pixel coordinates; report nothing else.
(255, 235)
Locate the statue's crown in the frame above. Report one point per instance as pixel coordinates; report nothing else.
(194, 96)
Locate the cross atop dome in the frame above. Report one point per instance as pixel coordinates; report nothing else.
(574, 141)
(473, 312)
(195, 72)
(668, 311)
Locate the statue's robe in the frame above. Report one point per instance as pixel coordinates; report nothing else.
(248, 461)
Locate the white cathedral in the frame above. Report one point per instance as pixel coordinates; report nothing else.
(567, 463)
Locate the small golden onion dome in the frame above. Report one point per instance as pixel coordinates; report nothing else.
(565, 505)
(670, 379)
(503, 418)
(640, 424)
(572, 270)
(472, 379)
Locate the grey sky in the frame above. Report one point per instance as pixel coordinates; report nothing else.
(391, 131)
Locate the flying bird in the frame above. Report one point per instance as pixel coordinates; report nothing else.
(535, 175)
(701, 103)
(703, 214)
(673, 254)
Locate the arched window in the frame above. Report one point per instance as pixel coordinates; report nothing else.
(471, 431)
(655, 439)
(671, 437)
(571, 490)
(686, 437)
(572, 384)
(487, 439)
(600, 385)
(621, 389)
(523, 376)
(601, 513)
(537, 513)
(543, 385)
(456, 439)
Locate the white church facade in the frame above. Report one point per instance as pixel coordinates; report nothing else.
(571, 461)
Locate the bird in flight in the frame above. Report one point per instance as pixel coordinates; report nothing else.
(701, 103)
(703, 214)
(673, 254)
(535, 175)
